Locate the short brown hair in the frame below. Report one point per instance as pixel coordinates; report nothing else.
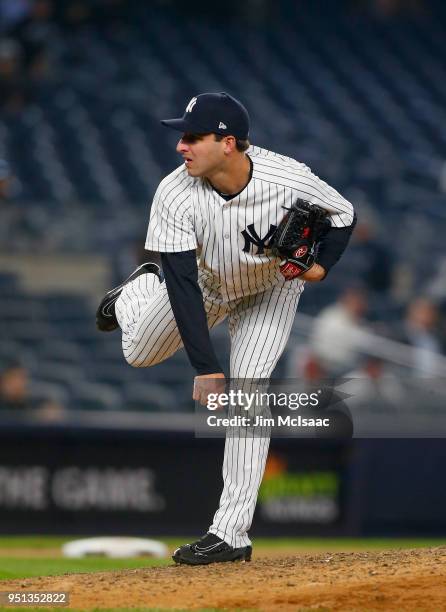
(240, 145)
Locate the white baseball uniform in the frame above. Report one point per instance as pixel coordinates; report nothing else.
(239, 281)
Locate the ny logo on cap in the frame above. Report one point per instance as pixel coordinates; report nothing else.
(191, 105)
(222, 126)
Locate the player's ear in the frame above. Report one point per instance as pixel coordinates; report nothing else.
(230, 144)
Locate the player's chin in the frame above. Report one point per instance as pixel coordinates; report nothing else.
(193, 171)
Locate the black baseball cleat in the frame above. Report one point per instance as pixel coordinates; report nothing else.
(105, 315)
(210, 549)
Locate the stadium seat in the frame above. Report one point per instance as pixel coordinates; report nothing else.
(150, 397)
(91, 396)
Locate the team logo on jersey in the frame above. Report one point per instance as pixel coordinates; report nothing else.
(191, 105)
(251, 237)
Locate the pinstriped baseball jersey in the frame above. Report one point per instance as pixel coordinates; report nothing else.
(231, 237)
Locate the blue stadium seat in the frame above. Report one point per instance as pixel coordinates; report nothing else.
(41, 392)
(91, 396)
(66, 375)
(150, 397)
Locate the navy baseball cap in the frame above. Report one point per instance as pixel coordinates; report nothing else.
(217, 113)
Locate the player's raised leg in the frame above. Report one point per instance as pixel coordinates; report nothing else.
(141, 308)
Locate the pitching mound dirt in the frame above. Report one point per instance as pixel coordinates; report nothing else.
(395, 580)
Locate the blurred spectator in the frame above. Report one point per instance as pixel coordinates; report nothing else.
(336, 336)
(13, 12)
(373, 387)
(15, 395)
(5, 179)
(14, 387)
(436, 287)
(13, 88)
(368, 257)
(386, 9)
(420, 331)
(389, 8)
(312, 369)
(25, 54)
(373, 260)
(36, 35)
(304, 365)
(75, 15)
(12, 217)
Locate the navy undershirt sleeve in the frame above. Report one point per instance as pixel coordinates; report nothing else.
(333, 245)
(181, 275)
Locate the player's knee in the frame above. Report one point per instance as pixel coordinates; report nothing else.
(134, 359)
(138, 360)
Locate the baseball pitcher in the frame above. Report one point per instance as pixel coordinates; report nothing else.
(240, 230)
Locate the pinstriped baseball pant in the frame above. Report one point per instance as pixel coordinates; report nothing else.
(259, 327)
